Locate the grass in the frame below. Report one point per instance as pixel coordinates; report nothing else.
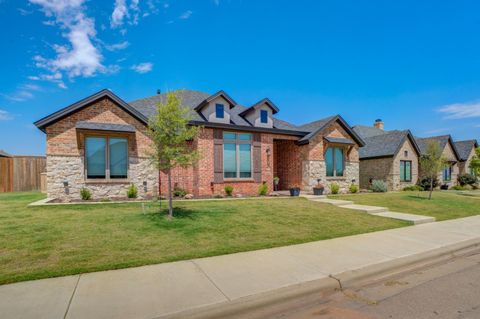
(40, 242)
(442, 206)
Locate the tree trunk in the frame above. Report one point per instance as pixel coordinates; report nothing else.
(431, 188)
(170, 203)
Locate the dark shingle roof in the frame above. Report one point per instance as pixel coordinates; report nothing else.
(192, 99)
(105, 127)
(339, 140)
(4, 154)
(367, 131)
(317, 126)
(442, 140)
(383, 145)
(464, 148)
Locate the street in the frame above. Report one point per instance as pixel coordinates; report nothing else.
(447, 290)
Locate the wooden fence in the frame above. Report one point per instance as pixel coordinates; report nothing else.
(21, 173)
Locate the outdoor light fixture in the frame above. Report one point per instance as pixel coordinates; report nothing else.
(65, 183)
(145, 186)
(353, 180)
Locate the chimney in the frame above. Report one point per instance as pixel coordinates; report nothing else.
(158, 91)
(378, 124)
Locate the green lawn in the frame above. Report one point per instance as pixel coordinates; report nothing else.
(39, 242)
(442, 206)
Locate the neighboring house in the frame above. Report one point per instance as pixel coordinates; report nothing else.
(466, 151)
(391, 156)
(101, 143)
(4, 154)
(449, 174)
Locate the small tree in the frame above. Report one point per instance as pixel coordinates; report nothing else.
(475, 163)
(432, 163)
(172, 135)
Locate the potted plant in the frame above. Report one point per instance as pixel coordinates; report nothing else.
(294, 190)
(319, 188)
(276, 181)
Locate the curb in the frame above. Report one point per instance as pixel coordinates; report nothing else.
(241, 307)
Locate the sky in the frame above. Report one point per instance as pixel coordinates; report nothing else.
(413, 64)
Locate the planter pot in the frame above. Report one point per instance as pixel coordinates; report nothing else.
(295, 191)
(318, 191)
(444, 187)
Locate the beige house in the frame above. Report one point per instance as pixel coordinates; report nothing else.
(391, 156)
(466, 150)
(449, 175)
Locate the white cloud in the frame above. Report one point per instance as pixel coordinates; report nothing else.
(117, 46)
(142, 67)
(123, 12)
(187, 14)
(80, 57)
(461, 110)
(5, 116)
(18, 96)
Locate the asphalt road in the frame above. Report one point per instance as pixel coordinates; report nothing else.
(447, 290)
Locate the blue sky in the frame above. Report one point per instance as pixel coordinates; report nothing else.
(414, 64)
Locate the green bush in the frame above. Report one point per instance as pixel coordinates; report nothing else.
(424, 183)
(413, 188)
(85, 193)
(334, 188)
(132, 191)
(466, 179)
(458, 188)
(353, 188)
(263, 190)
(379, 186)
(179, 192)
(228, 190)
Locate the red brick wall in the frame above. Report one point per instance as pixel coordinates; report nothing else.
(62, 135)
(199, 180)
(287, 164)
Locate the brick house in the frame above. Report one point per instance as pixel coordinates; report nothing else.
(100, 143)
(449, 174)
(391, 156)
(466, 151)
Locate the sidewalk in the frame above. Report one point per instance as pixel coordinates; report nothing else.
(160, 290)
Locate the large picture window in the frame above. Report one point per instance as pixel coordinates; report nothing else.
(335, 161)
(106, 157)
(405, 171)
(237, 155)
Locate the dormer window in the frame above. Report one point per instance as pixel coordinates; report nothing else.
(264, 116)
(219, 111)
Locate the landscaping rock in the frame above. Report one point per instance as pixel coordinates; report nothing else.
(189, 196)
(238, 195)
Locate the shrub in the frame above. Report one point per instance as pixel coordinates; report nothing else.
(228, 190)
(458, 188)
(334, 188)
(413, 188)
(263, 190)
(466, 179)
(353, 188)
(179, 192)
(132, 191)
(85, 193)
(379, 186)
(424, 183)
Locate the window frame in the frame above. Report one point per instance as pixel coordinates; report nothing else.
(447, 168)
(217, 106)
(237, 141)
(107, 178)
(333, 147)
(404, 179)
(266, 116)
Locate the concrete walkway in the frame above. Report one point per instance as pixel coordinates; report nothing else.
(373, 210)
(202, 286)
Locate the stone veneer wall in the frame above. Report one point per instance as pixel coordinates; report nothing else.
(71, 169)
(314, 170)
